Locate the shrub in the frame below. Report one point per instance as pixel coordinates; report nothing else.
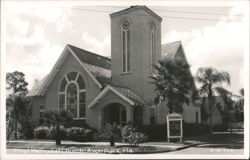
(63, 132)
(42, 132)
(132, 136)
(80, 134)
(126, 131)
(135, 138)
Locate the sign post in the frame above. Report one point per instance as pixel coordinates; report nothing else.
(174, 126)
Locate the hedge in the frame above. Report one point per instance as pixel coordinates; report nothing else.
(80, 134)
(71, 133)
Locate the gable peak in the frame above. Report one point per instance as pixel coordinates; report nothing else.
(136, 7)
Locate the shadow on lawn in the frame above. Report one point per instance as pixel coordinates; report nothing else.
(75, 145)
(215, 138)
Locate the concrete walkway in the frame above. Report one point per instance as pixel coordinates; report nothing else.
(173, 146)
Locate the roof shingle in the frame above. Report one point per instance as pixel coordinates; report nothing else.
(169, 50)
(91, 58)
(38, 88)
(129, 94)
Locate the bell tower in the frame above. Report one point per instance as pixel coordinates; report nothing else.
(135, 46)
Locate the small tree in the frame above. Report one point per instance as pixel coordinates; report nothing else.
(173, 82)
(111, 132)
(16, 104)
(16, 81)
(57, 118)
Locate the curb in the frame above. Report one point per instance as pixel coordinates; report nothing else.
(188, 146)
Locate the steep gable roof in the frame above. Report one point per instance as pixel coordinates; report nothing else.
(91, 58)
(169, 50)
(130, 94)
(38, 87)
(96, 66)
(133, 8)
(124, 93)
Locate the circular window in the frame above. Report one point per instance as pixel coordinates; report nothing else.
(125, 25)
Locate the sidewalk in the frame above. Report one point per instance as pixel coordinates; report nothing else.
(170, 145)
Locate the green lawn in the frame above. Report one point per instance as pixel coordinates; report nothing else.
(217, 138)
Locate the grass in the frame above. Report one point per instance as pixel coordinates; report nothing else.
(217, 138)
(85, 148)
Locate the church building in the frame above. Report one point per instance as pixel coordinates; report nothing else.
(97, 90)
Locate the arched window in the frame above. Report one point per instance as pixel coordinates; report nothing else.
(72, 94)
(152, 115)
(152, 45)
(125, 47)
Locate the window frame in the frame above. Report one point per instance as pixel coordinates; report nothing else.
(125, 44)
(196, 117)
(123, 110)
(152, 116)
(41, 119)
(78, 94)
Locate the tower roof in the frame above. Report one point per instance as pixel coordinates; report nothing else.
(137, 7)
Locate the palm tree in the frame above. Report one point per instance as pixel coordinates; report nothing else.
(57, 118)
(16, 106)
(173, 81)
(239, 105)
(211, 80)
(9, 125)
(111, 132)
(227, 111)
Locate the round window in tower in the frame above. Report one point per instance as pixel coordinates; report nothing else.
(125, 25)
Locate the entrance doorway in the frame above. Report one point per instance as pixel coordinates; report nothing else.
(114, 113)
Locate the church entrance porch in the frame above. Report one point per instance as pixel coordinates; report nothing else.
(116, 113)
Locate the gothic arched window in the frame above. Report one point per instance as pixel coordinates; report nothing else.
(152, 45)
(72, 94)
(125, 46)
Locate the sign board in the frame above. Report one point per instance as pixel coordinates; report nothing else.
(174, 125)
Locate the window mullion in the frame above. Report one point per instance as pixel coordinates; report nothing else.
(66, 78)
(78, 103)
(77, 77)
(65, 99)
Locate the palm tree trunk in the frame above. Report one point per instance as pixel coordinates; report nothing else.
(58, 137)
(211, 123)
(15, 128)
(210, 109)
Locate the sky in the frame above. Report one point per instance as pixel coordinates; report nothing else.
(37, 34)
